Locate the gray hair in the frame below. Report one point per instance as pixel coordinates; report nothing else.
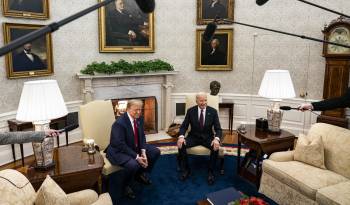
(201, 94)
(134, 102)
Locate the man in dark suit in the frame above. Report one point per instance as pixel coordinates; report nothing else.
(124, 28)
(35, 6)
(202, 119)
(213, 9)
(328, 104)
(27, 61)
(215, 56)
(128, 146)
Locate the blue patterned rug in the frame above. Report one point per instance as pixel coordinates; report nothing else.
(167, 189)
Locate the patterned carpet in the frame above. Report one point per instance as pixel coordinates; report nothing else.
(171, 148)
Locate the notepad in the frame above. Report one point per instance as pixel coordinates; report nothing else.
(223, 197)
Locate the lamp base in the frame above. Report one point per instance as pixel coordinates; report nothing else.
(46, 167)
(274, 118)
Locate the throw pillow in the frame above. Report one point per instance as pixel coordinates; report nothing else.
(310, 151)
(50, 193)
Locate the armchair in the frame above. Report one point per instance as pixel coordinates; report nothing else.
(96, 119)
(16, 189)
(212, 101)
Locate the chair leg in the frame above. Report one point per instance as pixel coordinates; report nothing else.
(105, 184)
(222, 161)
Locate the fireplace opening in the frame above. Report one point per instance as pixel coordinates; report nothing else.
(149, 111)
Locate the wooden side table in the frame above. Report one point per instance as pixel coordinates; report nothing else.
(15, 125)
(74, 170)
(230, 107)
(261, 142)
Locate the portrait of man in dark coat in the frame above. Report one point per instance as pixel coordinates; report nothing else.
(35, 6)
(26, 60)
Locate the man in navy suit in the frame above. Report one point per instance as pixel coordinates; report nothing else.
(128, 146)
(202, 119)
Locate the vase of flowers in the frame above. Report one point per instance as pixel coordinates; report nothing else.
(245, 200)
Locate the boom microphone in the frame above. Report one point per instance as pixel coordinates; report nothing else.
(261, 2)
(146, 6)
(209, 32)
(288, 108)
(68, 128)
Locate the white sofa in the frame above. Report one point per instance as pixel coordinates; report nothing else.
(287, 181)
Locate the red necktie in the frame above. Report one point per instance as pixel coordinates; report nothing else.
(201, 119)
(136, 134)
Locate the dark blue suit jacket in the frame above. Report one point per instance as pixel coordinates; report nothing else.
(211, 121)
(122, 144)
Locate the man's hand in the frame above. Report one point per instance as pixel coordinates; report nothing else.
(142, 161)
(305, 106)
(144, 156)
(180, 142)
(132, 34)
(51, 133)
(215, 144)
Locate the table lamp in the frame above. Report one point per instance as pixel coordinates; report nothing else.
(276, 85)
(41, 101)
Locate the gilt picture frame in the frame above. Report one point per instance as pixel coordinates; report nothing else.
(217, 54)
(207, 10)
(33, 9)
(124, 28)
(32, 59)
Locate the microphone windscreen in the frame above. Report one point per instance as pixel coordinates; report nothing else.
(261, 2)
(209, 32)
(285, 108)
(68, 128)
(146, 6)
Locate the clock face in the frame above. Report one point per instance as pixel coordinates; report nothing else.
(339, 35)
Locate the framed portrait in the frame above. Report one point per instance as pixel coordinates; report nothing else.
(34, 9)
(31, 59)
(123, 27)
(216, 54)
(207, 10)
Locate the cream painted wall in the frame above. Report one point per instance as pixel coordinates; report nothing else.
(76, 45)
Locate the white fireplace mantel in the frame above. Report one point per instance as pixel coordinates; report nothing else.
(104, 86)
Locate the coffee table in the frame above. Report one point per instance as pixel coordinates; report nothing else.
(74, 170)
(262, 142)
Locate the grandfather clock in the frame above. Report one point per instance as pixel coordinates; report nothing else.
(336, 79)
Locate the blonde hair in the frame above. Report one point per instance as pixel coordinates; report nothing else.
(134, 102)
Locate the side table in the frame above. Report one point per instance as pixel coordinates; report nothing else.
(15, 125)
(261, 142)
(74, 170)
(230, 107)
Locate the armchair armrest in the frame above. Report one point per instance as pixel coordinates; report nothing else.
(104, 199)
(84, 197)
(282, 156)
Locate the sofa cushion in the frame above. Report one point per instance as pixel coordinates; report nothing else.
(50, 193)
(15, 188)
(304, 178)
(336, 146)
(310, 151)
(336, 194)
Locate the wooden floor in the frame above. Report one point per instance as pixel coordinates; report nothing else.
(228, 138)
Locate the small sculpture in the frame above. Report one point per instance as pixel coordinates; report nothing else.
(214, 87)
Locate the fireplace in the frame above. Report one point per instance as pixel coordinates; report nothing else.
(149, 111)
(128, 86)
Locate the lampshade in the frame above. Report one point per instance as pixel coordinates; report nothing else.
(41, 100)
(277, 84)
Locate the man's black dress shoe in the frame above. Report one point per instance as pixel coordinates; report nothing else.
(129, 193)
(143, 178)
(211, 178)
(185, 174)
